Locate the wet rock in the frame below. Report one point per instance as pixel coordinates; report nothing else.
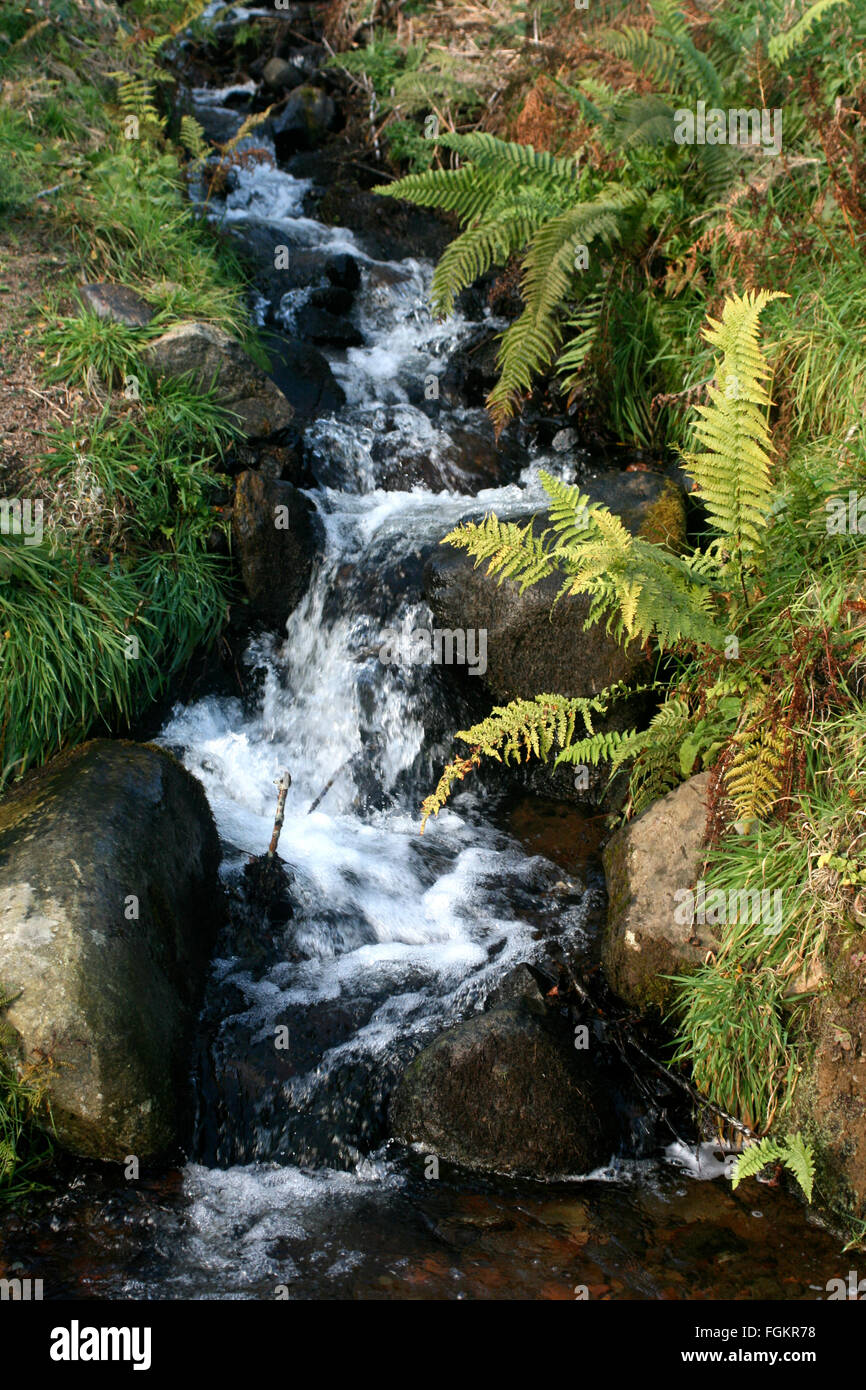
(523, 982)
(332, 299)
(465, 461)
(281, 76)
(507, 1092)
(109, 900)
(280, 462)
(274, 538)
(304, 376)
(118, 303)
(278, 267)
(385, 229)
(343, 270)
(533, 646)
(472, 370)
(646, 863)
(305, 121)
(212, 356)
(564, 440)
(319, 326)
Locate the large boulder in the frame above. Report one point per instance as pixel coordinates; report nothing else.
(508, 1092)
(649, 932)
(109, 900)
(212, 357)
(534, 647)
(275, 539)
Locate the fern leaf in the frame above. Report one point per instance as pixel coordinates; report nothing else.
(800, 1162)
(754, 778)
(754, 1159)
(783, 46)
(732, 472)
(529, 728)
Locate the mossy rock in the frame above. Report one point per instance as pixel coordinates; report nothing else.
(109, 901)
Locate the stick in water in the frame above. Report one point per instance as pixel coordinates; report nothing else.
(282, 784)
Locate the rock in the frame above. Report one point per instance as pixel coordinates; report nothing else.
(646, 863)
(304, 122)
(332, 299)
(830, 1098)
(304, 376)
(274, 538)
(523, 982)
(109, 997)
(281, 76)
(279, 267)
(118, 303)
(319, 326)
(343, 270)
(212, 356)
(507, 1092)
(472, 369)
(385, 229)
(532, 646)
(564, 440)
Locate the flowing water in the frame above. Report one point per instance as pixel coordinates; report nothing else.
(292, 1188)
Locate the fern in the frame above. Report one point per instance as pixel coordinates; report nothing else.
(644, 592)
(782, 47)
(753, 779)
(732, 472)
(640, 589)
(530, 728)
(135, 97)
(192, 138)
(792, 1152)
(509, 197)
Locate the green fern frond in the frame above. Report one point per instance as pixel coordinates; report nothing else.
(511, 551)
(135, 98)
(782, 47)
(645, 51)
(793, 1152)
(530, 343)
(192, 137)
(732, 472)
(530, 728)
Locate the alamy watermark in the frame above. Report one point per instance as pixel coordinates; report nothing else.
(736, 126)
(755, 906)
(422, 646)
(846, 517)
(21, 518)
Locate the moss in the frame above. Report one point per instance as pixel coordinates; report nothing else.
(665, 519)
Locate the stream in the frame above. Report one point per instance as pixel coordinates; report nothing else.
(292, 1188)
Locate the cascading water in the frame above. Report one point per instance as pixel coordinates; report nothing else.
(293, 1189)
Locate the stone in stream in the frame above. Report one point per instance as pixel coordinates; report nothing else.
(304, 122)
(318, 325)
(118, 303)
(281, 76)
(275, 540)
(109, 903)
(304, 376)
(646, 864)
(508, 1092)
(212, 357)
(278, 266)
